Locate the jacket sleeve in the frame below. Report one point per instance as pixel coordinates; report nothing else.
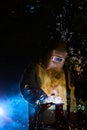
(30, 86)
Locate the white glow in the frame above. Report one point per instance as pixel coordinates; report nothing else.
(1, 111)
(55, 100)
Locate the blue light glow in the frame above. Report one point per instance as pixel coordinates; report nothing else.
(13, 113)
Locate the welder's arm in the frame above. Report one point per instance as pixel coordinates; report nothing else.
(30, 88)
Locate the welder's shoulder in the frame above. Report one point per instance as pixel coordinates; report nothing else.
(32, 67)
